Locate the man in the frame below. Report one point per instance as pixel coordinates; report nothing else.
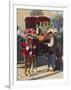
(51, 50)
(28, 52)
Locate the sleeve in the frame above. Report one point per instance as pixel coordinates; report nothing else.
(51, 43)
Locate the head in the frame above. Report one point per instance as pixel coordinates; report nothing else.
(29, 39)
(50, 34)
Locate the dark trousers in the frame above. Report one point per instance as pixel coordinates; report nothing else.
(51, 60)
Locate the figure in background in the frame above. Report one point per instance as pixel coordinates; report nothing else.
(19, 38)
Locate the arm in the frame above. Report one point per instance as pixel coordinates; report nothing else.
(51, 42)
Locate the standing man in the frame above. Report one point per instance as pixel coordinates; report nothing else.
(51, 50)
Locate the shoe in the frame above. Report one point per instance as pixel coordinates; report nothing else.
(54, 69)
(35, 70)
(48, 69)
(26, 74)
(51, 68)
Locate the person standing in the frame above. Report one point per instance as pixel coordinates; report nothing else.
(51, 50)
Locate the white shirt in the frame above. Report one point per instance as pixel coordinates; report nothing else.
(51, 42)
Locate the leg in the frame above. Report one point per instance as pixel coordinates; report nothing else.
(30, 64)
(53, 58)
(34, 62)
(49, 60)
(26, 71)
(26, 66)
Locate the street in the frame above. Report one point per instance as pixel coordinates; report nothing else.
(58, 75)
(41, 74)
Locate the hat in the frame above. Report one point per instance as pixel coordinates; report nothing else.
(29, 37)
(50, 31)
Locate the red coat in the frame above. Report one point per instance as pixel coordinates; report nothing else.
(25, 49)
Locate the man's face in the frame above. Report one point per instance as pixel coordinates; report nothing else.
(29, 41)
(50, 34)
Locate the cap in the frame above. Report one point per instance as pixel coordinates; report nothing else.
(29, 37)
(50, 31)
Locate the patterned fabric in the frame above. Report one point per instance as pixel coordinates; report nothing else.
(29, 31)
